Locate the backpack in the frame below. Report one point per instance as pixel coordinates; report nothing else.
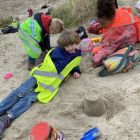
(120, 61)
(9, 29)
(81, 32)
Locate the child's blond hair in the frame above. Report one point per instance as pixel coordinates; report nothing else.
(68, 38)
(57, 25)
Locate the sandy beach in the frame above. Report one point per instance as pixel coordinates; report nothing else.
(65, 112)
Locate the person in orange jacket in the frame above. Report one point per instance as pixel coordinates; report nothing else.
(94, 26)
(120, 28)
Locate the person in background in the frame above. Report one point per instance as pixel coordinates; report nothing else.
(45, 80)
(119, 28)
(94, 26)
(30, 12)
(46, 9)
(11, 28)
(35, 35)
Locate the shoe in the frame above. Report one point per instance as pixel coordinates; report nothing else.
(5, 122)
(31, 65)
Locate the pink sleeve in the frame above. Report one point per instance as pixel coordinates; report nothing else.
(115, 39)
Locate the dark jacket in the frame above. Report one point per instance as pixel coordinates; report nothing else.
(45, 43)
(61, 58)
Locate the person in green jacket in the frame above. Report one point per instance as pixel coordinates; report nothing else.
(45, 80)
(35, 35)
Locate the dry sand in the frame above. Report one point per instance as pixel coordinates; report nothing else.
(65, 111)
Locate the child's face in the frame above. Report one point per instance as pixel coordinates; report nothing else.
(52, 31)
(71, 48)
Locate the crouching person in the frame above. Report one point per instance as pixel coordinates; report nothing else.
(120, 29)
(35, 35)
(45, 80)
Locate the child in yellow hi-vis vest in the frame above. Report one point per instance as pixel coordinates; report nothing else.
(35, 34)
(45, 80)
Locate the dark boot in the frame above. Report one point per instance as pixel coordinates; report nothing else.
(31, 65)
(5, 122)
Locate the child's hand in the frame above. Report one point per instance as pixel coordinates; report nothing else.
(76, 75)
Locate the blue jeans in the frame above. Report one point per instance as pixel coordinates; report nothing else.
(19, 100)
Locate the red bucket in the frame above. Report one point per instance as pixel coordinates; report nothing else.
(40, 131)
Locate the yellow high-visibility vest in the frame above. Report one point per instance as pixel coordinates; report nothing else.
(48, 80)
(30, 33)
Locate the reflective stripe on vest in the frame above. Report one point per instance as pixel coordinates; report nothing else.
(44, 74)
(137, 26)
(32, 26)
(124, 17)
(49, 74)
(28, 42)
(132, 18)
(28, 37)
(45, 86)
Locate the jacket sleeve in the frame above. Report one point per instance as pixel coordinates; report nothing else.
(45, 43)
(76, 69)
(94, 27)
(115, 39)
